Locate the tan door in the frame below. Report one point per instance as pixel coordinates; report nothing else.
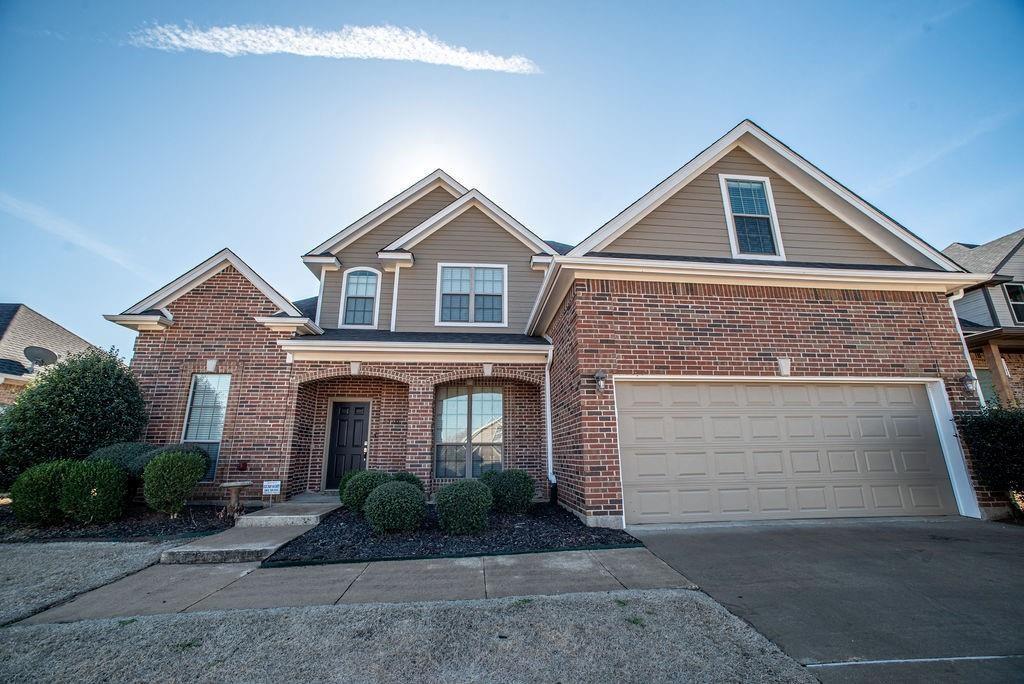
(695, 451)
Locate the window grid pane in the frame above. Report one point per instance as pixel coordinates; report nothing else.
(206, 411)
(469, 431)
(754, 235)
(487, 309)
(488, 281)
(361, 284)
(455, 308)
(748, 197)
(359, 311)
(454, 280)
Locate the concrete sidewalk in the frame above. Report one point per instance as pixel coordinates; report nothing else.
(190, 588)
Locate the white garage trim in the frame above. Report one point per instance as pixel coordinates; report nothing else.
(942, 412)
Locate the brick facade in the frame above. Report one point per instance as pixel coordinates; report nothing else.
(8, 392)
(1015, 366)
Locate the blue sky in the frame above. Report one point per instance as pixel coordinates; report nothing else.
(123, 164)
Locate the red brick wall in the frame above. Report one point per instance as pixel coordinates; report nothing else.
(8, 392)
(645, 328)
(1014, 363)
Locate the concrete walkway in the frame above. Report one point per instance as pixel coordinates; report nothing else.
(190, 588)
(235, 545)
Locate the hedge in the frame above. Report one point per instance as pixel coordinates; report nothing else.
(93, 492)
(409, 478)
(35, 495)
(359, 487)
(131, 457)
(512, 490)
(995, 439)
(395, 507)
(171, 477)
(462, 506)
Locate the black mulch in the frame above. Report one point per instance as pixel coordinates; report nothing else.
(344, 537)
(139, 524)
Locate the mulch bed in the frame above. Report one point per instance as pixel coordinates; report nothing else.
(139, 524)
(344, 537)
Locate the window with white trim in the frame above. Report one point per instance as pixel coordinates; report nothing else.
(359, 298)
(468, 428)
(204, 420)
(1015, 294)
(471, 294)
(750, 213)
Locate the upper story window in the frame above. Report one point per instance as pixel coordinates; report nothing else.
(204, 421)
(1015, 293)
(750, 215)
(359, 296)
(472, 294)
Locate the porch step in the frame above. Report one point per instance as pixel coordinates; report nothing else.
(288, 513)
(237, 545)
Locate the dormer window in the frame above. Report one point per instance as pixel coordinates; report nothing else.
(360, 293)
(1015, 293)
(751, 218)
(471, 294)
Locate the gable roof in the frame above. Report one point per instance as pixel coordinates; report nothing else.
(472, 199)
(7, 312)
(200, 274)
(769, 145)
(986, 258)
(427, 184)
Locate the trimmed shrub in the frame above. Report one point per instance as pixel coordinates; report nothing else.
(462, 506)
(343, 482)
(512, 490)
(131, 457)
(409, 478)
(35, 495)
(93, 492)
(79, 404)
(359, 487)
(995, 438)
(169, 479)
(395, 507)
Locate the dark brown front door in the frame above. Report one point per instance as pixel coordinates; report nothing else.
(350, 430)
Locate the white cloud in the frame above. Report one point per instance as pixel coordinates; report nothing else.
(350, 42)
(67, 230)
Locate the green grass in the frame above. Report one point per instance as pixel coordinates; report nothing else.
(636, 620)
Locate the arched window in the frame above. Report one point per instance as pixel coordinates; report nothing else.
(359, 296)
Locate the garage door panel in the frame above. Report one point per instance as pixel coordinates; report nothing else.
(711, 451)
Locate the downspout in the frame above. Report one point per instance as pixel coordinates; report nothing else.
(963, 343)
(547, 412)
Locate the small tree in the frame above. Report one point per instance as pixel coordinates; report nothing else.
(85, 401)
(995, 439)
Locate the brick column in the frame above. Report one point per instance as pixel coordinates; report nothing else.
(419, 433)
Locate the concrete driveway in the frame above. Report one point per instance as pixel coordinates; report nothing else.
(932, 600)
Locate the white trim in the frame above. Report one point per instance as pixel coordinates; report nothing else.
(963, 344)
(376, 298)
(394, 298)
(1009, 302)
(730, 220)
(320, 295)
(411, 352)
(396, 259)
(424, 186)
(203, 272)
(340, 345)
(539, 262)
(472, 199)
(668, 187)
(300, 325)
(618, 447)
(8, 378)
(942, 413)
(471, 323)
(141, 323)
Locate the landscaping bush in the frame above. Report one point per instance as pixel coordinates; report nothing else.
(35, 495)
(131, 457)
(83, 402)
(512, 490)
(169, 479)
(343, 482)
(462, 507)
(395, 507)
(410, 479)
(359, 487)
(995, 439)
(93, 491)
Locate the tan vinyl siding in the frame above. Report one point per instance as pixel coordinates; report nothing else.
(974, 308)
(1014, 266)
(363, 252)
(692, 222)
(470, 238)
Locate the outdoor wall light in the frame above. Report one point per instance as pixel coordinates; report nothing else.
(968, 382)
(599, 378)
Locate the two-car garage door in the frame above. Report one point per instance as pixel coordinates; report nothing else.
(703, 451)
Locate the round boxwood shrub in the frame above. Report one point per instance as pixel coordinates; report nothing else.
(512, 490)
(343, 482)
(359, 487)
(93, 492)
(131, 457)
(35, 495)
(169, 479)
(462, 507)
(83, 402)
(395, 507)
(409, 478)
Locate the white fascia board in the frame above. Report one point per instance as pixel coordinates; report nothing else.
(300, 325)
(393, 259)
(540, 263)
(427, 184)
(473, 198)
(203, 272)
(461, 347)
(140, 323)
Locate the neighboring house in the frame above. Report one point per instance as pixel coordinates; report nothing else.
(992, 315)
(748, 340)
(21, 328)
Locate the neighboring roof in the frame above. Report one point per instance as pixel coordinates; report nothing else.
(758, 262)
(306, 307)
(351, 335)
(693, 168)
(473, 198)
(7, 312)
(988, 257)
(559, 247)
(22, 327)
(203, 272)
(422, 187)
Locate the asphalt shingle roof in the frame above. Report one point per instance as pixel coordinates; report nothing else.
(7, 312)
(985, 258)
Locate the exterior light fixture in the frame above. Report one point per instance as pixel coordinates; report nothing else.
(599, 378)
(968, 381)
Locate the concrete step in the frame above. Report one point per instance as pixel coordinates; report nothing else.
(288, 513)
(237, 545)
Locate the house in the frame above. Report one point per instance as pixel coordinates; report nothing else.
(992, 315)
(29, 340)
(748, 340)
